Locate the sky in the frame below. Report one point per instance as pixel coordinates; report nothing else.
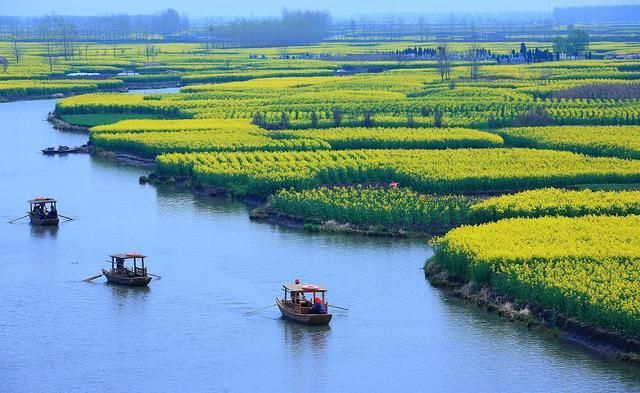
(257, 8)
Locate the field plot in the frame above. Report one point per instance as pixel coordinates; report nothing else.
(585, 267)
(622, 141)
(456, 170)
(400, 207)
(403, 207)
(397, 138)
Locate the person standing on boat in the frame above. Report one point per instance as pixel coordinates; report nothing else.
(120, 264)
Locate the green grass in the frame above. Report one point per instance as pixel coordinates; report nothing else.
(104, 118)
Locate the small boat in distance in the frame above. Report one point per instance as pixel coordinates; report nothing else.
(296, 307)
(43, 211)
(61, 149)
(123, 275)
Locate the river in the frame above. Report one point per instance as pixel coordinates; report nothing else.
(189, 331)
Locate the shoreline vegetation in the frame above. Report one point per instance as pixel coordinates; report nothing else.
(533, 316)
(530, 261)
(438, 146)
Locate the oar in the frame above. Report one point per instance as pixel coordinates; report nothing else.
(92, 278)
(12, 221)
(68, 218)
(339, 308)
(260, 309)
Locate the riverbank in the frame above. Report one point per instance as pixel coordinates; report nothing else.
(55, 96)
(604, 342)
(265, 213)
(59, 124)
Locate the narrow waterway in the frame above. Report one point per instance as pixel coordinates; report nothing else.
(189, 331)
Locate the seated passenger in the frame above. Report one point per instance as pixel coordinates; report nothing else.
(318, 306)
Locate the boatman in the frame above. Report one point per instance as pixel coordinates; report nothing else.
(120, 264)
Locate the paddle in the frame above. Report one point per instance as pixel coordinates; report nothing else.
(68, 218)
(339, 308)
(12, 221)
(92, 278)
(260, 309)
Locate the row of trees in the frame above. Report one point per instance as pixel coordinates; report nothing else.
(291, 28)
(95, 28)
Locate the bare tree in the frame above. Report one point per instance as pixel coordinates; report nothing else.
(443, 58)
(150, 51)
(67, 33)
(47, 30)
(474, 60)
(16, 49)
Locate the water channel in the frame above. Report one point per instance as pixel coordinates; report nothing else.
(190, 331)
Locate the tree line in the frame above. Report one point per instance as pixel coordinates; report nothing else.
(298, 27)
(120, 27)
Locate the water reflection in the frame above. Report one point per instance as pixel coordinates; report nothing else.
(125, 293)
(300, 338)
(39, 231)
(301, 341)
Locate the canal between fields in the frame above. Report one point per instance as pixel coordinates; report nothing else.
(190, 331)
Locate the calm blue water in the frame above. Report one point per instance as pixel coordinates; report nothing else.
(189, 331)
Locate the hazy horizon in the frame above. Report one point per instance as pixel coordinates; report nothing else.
(253, 8)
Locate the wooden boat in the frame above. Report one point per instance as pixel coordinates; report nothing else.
(296, 307)
(61, 149)
(121, 274)
(43, 212)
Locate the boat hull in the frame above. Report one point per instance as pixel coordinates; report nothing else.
(54, 152)
(137, 281)
(44, 221)
(306, 319)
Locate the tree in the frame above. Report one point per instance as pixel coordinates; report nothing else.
(437, 118)
(337, 116)
(16, 49)
(149, 50)
(284, 120)
(523, 50)
(443, 58)
(170, 22)
(410, 121)
(47, 32)
(474, 60)
(368, 118)
(67, 32)
(577, 42)
(258, 119)
(559, 46)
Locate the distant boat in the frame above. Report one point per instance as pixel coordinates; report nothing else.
(296, 307)
(123, 275)
(61, 149)
(43, 212)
